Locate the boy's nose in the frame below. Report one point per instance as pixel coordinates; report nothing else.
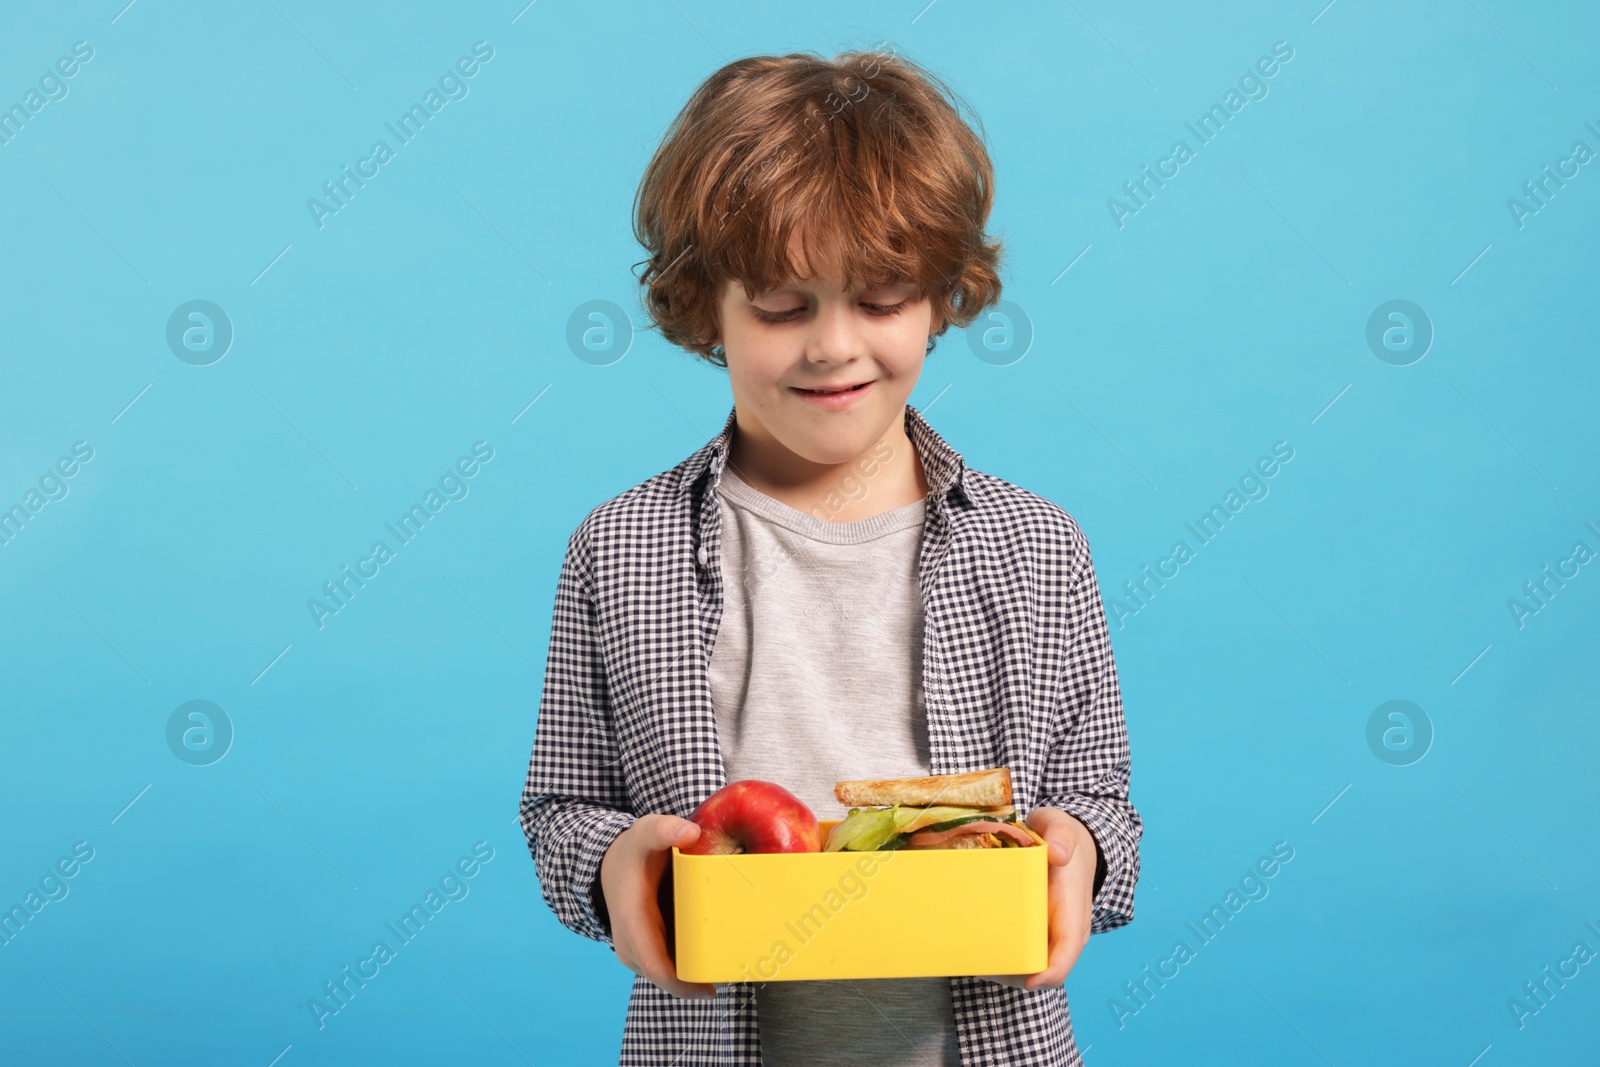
(835, 339)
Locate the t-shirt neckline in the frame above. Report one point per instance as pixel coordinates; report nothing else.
(742, 493)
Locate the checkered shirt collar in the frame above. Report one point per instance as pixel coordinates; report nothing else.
(946, 470)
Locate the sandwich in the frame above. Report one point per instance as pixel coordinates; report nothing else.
(939, 811)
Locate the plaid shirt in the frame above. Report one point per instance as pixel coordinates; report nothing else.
(1017, 672)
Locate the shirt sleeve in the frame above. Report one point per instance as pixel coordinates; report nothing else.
(575, 801)
(1086, 770)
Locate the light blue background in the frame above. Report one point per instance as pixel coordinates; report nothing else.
(371, 353)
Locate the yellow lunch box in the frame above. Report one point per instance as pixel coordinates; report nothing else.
(775, 917)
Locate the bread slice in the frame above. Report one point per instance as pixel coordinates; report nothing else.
(974, 789)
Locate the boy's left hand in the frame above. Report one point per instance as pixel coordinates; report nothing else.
(1071, 896)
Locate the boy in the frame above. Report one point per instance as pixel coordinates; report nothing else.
(824, 590)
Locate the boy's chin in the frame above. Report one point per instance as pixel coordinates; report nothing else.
(838, 437)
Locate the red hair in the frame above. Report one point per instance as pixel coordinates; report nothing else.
(864, 159)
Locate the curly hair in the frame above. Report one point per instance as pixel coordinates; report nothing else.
(865, 155)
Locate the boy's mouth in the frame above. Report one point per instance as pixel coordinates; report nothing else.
(830, 391)
(834, 398)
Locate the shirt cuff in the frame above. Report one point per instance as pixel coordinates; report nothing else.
(574, 842)
(1116, 866)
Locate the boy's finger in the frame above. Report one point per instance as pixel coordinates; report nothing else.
(657, 966)
(1052, 825)
(1062, 957)
(1064, 951)
(1063, 954)
(687, 990)
(669, 830)
(1061, 845)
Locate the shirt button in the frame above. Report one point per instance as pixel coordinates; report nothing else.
(700, 554)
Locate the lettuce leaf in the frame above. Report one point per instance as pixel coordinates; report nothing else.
(884, 829)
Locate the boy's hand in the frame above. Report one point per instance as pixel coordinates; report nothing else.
(1071, 894)
(630, 877)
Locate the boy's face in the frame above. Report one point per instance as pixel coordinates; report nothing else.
(811, 334)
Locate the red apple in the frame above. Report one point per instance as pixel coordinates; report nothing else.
(754, 816)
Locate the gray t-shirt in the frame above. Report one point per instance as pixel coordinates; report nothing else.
(816, 676)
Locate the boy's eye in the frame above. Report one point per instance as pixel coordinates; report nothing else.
(881, 310)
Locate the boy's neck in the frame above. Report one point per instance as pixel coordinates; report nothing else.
(888, 475)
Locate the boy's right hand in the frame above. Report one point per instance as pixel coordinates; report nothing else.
(630, 877)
